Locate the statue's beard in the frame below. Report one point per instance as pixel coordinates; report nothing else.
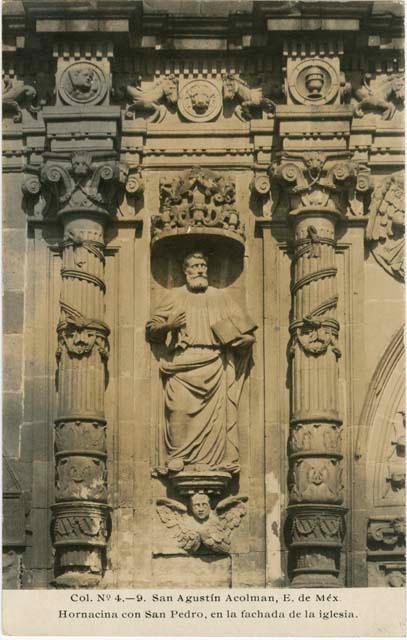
(197, 283)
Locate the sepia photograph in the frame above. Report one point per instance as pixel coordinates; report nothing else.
(203, 296)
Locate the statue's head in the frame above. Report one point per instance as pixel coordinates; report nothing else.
(195, 267)
(229, 86)
(82, 79)
(170, 88)
(397, 86)
(200, 506)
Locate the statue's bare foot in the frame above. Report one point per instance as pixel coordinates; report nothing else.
(175, 465)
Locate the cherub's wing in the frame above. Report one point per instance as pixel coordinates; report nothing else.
(231, 510)
(387, 204)
(216, 536)
(174, 515)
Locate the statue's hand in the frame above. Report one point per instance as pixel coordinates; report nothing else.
(176, 320)
(245, 340)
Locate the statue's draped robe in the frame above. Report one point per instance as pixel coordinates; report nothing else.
(202, 379)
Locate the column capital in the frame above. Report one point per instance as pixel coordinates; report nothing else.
(313, 180)
(79, 182)
(317, 180)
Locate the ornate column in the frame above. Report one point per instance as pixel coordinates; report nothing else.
(318, 187)
(82, 189)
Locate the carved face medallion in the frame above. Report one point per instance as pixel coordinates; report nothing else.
(83, 83)
(200, 101)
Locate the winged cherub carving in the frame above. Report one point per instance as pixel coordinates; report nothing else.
(204, 528)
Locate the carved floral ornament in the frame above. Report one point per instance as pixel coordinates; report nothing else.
(316, 528)
(198, 199)
(79, 523)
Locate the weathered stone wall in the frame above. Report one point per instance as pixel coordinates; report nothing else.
(270, 137)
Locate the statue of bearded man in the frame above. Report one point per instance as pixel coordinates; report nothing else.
(208, 340)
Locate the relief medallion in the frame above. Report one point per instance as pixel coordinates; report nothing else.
(82, 83)
(200, 101)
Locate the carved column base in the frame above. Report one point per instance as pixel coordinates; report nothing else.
(315, 535)
(187, 483)
(80, 532)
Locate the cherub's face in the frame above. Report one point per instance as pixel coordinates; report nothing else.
(80, 166)
(200, 506)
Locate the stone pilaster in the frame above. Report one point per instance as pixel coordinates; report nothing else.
(81, 190)
(318, 187)
(81, 511)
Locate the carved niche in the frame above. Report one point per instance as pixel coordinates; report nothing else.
(202, 339)
(386, 227)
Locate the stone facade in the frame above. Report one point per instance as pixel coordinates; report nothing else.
(203, 294)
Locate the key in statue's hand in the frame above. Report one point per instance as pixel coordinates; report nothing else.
(245, 340)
